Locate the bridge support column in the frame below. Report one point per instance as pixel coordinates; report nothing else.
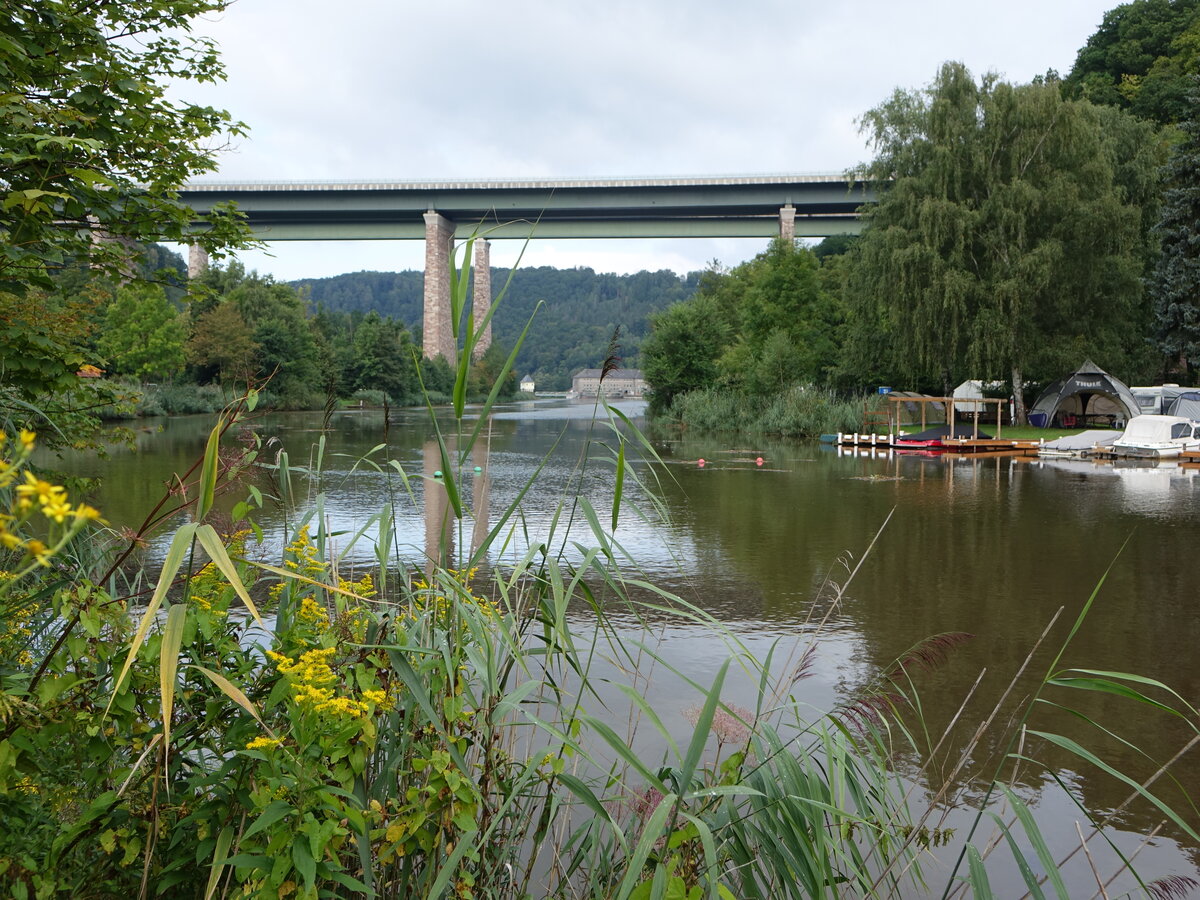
(438, 338)
(787, 224)
(481, 296)
(197, 261)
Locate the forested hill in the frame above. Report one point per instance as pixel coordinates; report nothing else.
(570, 332)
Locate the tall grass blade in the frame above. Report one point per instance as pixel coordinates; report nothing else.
(234, 693)
(1027, 874)
(1034, 833)
(168, 668)
(208, 538)
(703, 726)
(1109, 682)
(641, 851)
(981, 888)
(498, 386)
(224, 839)
(172, 562)
(208, 471)
(1073, 747)
(619, 485)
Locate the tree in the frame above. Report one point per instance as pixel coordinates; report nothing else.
(485, 373)
(383, 359)
(221, 344)
(278, 320)
(143, 336)
(1140, 59)
(1011, 233)
(1175, 284)
(681, 352)
(92, 150)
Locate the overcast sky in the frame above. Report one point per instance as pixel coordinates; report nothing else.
(396, 90)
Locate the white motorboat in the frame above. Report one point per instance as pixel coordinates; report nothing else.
(1158, 437)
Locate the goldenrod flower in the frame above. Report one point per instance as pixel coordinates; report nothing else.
(264, 743)
(38, 551)
(42, 490)
(57, 509)
(83, 511)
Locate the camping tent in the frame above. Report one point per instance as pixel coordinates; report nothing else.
(1087, 395)
(1187, 405)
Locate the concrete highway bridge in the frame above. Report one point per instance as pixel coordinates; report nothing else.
(441, 212)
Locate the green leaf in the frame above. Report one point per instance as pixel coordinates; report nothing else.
(1082, 753)
(303, 860)
(208, 538)
(981, 889)
(275, 811)
(224, 839)
(1030, 826)
(620, 482)
(179, 545)
(208, 471)
(168, 667)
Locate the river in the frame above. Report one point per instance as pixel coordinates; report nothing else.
(990, 546)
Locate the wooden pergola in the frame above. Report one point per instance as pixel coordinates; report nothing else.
(948, 403)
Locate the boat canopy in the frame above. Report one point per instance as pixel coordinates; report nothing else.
(1089, 391)
(1157, 429)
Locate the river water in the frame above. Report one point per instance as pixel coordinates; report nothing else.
(992, 547)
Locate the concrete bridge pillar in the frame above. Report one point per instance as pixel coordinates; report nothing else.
(197, 261)
(481, 296)
(438, 339)
(787, 224)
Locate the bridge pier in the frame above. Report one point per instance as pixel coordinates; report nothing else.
(481, 295)
(787, 223)
(438, 337)
(197, 261)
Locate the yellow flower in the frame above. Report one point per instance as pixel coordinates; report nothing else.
(38, 551)
(57, 509)
(27, 438)
(83, 511)
(264, 743)
(44, 491)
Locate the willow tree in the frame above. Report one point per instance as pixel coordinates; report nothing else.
(1175, 285)
(1011, 232)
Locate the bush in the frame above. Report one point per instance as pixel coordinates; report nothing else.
(797, 411)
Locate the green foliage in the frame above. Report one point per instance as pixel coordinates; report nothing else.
(222, 343)
(801, 411)
(1175, 283)
(767, 325)
(1011, 234)
(384, 359)
(1141, 59)
(681, 353)
(92, 148)
(143, 335)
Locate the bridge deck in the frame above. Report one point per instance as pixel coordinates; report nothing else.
(736, 206)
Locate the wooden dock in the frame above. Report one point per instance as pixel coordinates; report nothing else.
(946, 445)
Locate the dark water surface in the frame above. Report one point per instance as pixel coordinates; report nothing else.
(993, 547)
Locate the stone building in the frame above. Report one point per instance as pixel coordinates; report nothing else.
(618, 383)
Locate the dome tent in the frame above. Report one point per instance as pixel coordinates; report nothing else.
(1088, 391)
